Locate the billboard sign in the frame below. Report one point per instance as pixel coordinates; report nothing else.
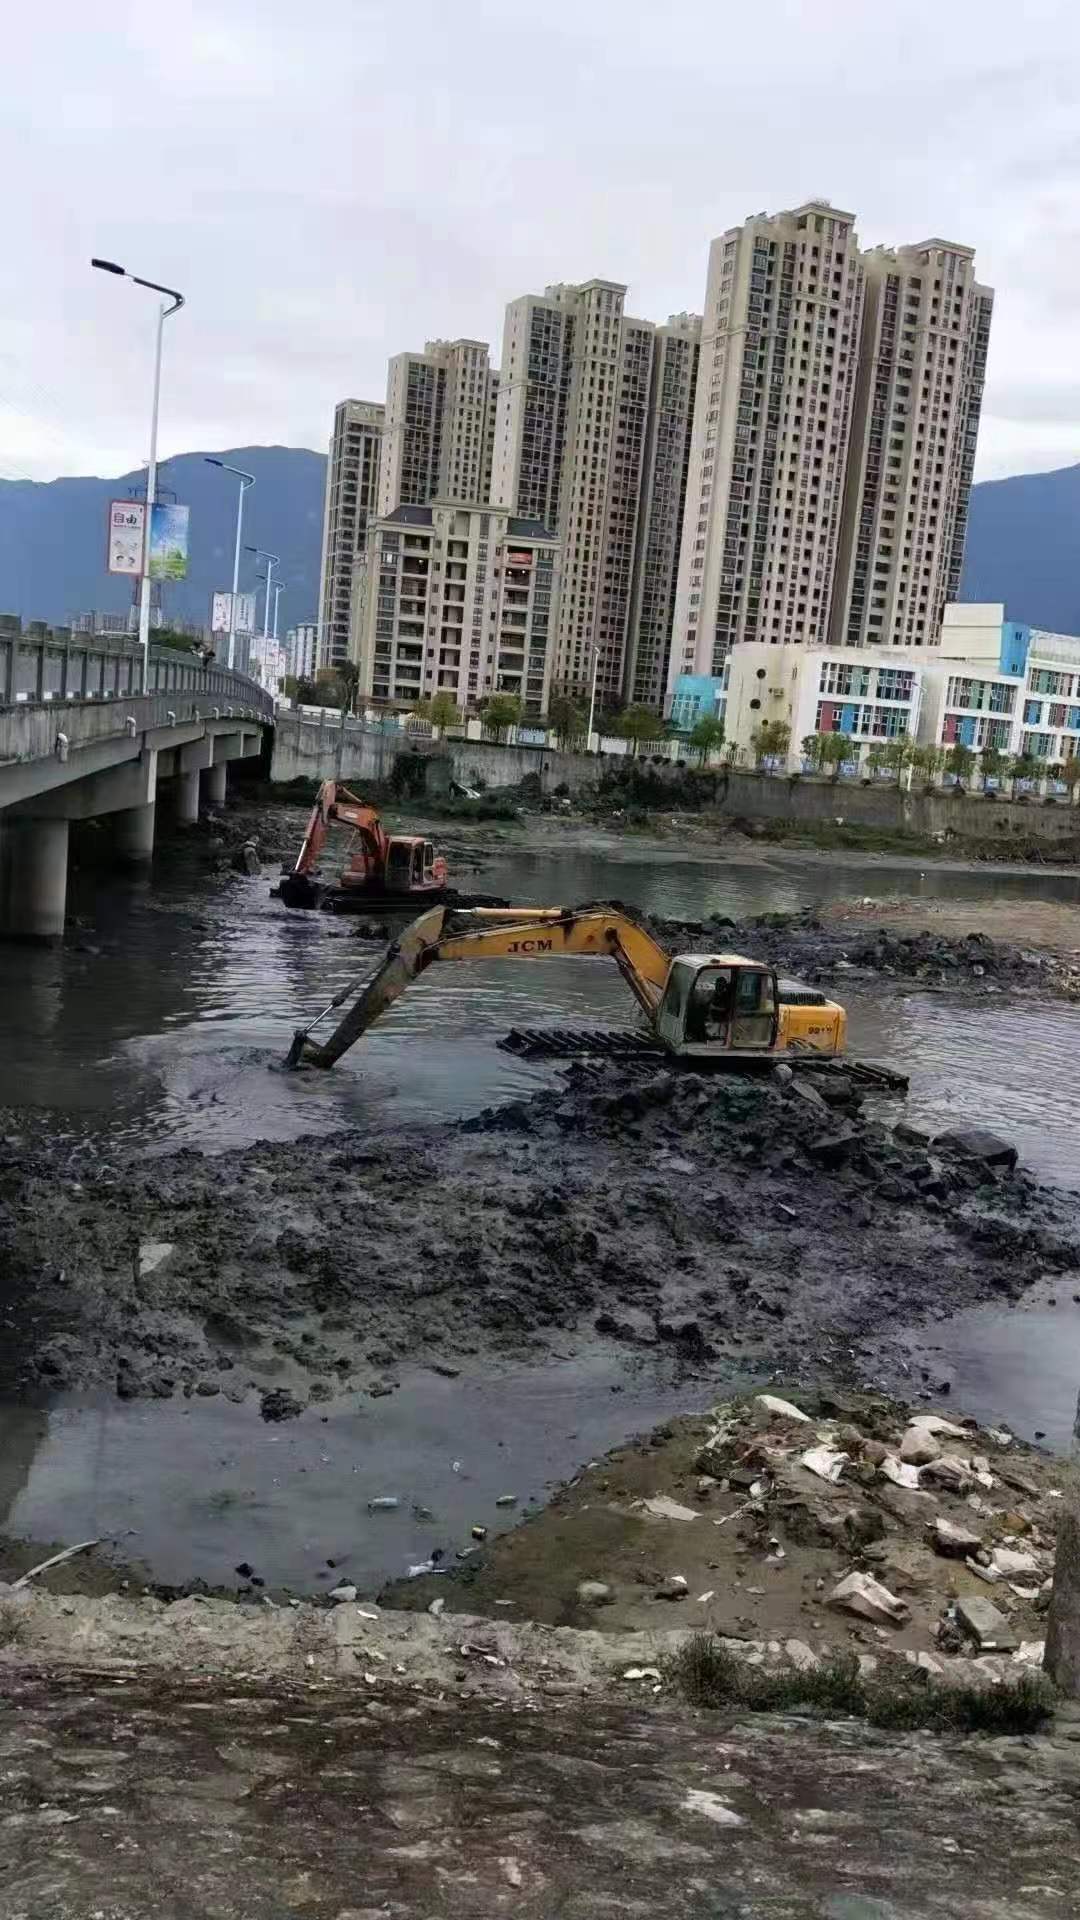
(127, 531)
(245, 613)
(220, 605)
(168, 541)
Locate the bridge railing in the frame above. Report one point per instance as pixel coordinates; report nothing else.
(41, 665)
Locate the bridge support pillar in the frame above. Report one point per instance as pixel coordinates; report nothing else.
(187, 798)
(215, 784)
(35, 872)
(134, 830)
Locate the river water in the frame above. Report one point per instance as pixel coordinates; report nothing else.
(164, 1024)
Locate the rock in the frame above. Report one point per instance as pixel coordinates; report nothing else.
(952, 1472)
(988, 1628)
(935, 1424)
(832, 1149)
(802, 1657)
(1012, 1560)
(385, 1503)
(771, 1408)
(953, 1540)
(673, 1588)
(918, 1447)
(436, 1606)
(153, 1254)
(507, 1500)
(860, 1593)
(977, 1143)
(246, 858)
(280, 1404)
(910, 1136)
(594, 1593)
(345, 1592)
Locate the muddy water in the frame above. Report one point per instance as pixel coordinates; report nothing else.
(164, 1024)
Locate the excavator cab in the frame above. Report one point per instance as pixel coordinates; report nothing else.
(715, 1003)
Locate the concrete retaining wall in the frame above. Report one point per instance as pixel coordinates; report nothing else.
(306, 749)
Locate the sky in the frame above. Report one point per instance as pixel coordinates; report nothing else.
(332, 183)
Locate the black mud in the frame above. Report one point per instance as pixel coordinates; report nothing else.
(801, 944)
(736, 1221)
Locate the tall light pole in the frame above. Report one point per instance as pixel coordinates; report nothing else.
(272, 560)
(177, 299)
(246, 480)
(592, 696)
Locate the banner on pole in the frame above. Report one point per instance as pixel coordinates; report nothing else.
(168, 541)
(220, 612)
(245, 613)
(127, 531)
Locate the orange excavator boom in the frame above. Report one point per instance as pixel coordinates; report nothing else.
(334, 802)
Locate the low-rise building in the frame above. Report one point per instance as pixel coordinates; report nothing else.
(458, 597)
(866, 693)
(697, 696)
(1000, 684)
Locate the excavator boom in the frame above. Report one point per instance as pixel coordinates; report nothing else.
(495, 933)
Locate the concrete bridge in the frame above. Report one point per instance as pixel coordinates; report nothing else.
(79, 740)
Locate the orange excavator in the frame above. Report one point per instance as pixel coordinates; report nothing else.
(380, 867)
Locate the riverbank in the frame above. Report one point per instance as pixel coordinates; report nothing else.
(137, 1791)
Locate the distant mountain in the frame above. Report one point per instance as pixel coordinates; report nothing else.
(1023, 539)
(1023, 547)
(52, 536)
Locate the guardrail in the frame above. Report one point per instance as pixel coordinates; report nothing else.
(52, 664)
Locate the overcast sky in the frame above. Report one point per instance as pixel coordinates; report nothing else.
(332, 182)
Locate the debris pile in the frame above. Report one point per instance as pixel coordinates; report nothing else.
(800, 943)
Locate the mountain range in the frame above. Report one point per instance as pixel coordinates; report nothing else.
(1021, 546)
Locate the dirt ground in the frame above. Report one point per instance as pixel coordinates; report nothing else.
(137, 1796)
(761, 1541)
(1050, 925)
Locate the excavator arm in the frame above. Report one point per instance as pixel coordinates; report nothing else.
(334, 802)
(492, 933)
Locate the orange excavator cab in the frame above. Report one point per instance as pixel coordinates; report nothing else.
(379, 868)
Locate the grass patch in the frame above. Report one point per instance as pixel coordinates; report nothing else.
(707, 1675)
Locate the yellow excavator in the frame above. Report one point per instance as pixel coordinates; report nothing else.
(702, 1008)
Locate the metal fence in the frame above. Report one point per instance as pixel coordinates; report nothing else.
(44, 664)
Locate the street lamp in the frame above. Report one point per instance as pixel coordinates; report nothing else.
(272, 560)
(177, 299)
(592, 697)
(246, 480)
(279, 589)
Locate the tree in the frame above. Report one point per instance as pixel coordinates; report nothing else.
(827, 750)
(330, 688)
(771, 740)
(499, 711)
(566, 718)
(991, 763)
(442, 710)
(928, 761)
(1069, 772)
(898, 755)
(813, 748)
(960, 760)
(876, 761)
(707, 735)
(638, 724)
(349, 675)
(1025, 766)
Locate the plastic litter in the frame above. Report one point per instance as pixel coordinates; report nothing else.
(437, 1606)
(901, 1473)
(664, 1509)
(826, 1462)
(860, 1593)
(386, 1503)
(641, 1673)
(779, 1409)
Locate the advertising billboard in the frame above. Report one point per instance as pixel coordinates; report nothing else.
(245, 613)
(220, 605)
(168, 541)
(127, 530)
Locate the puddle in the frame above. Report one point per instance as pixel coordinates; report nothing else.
(190, 1489)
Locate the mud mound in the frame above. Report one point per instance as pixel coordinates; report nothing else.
(737, 1221)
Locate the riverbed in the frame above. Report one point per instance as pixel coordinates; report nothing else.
(163, 1023)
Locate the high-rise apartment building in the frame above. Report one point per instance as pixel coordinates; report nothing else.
(439, 425)
(834, 440)
(458, 598)
(918, 396)
(772, 420)
(569, 441)
(352, 475)
(675, 355)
